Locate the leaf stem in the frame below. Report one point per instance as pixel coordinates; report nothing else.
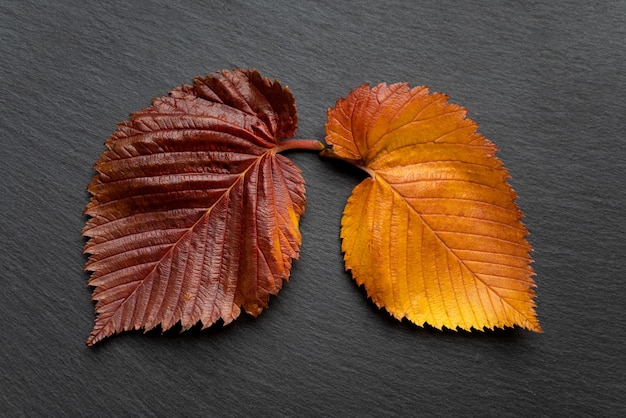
(329, 153)
(303, 144)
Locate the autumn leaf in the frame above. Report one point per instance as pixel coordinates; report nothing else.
(194, 215)
(434, 234)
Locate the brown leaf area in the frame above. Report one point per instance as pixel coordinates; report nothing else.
(193, 214)
(435, 234)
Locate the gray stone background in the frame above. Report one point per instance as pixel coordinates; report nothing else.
(544, 79)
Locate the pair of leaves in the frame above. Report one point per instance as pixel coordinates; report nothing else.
(194, 214)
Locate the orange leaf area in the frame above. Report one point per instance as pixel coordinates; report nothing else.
(435, 234)
(193, 213)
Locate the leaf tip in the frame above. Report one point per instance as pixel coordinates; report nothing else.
(92, 340)
(534, 326)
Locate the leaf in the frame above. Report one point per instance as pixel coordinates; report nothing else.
(194, 215)
(434, 234)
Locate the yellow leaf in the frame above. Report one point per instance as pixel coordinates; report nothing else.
(435, 234)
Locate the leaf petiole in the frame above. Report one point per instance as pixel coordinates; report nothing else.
(329, 153)
(302, 144)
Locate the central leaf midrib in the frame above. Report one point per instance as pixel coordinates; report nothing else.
(190, 229)
(380, 178)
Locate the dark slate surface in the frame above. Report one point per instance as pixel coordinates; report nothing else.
(545, 80)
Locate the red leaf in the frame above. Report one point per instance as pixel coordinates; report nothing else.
(194, 215)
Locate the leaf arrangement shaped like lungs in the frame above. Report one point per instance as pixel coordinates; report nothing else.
(434, 235)
(193, 214)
